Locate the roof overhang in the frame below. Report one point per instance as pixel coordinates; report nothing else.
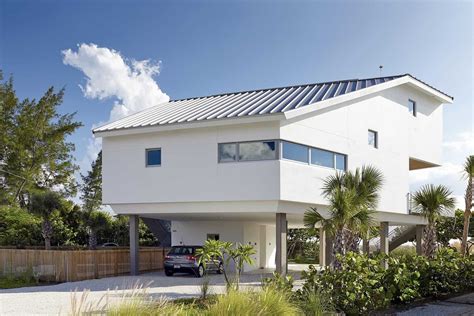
(407, 79)
(189, 125)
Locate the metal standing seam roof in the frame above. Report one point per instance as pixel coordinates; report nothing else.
(242, 104)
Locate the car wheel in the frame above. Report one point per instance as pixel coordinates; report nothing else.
(168, 272)
(200, 271)
(220, 269)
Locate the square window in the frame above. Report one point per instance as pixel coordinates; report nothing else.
(153, 157)
(412, 107)
(373, 139)
(227, 152)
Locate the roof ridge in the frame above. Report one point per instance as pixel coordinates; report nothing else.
(292, 86)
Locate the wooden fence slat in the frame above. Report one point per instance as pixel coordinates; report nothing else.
(75, 265)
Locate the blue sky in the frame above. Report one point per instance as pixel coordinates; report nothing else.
(208, 47)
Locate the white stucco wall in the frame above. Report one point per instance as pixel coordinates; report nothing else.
(190, 172)
(189, 169)
(344, 129)
(195, 233)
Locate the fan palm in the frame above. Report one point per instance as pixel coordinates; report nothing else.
(352, 196)
(468, 172)
(95, 222)
(432, 202)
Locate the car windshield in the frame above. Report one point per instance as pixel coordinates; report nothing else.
(181, 251)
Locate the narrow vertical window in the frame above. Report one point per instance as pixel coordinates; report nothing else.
(153, 157)
(412, 107)
(373, 139)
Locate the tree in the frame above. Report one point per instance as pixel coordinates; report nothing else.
(353, 198)
(96, 221)
(449, 228)
(44, 204)
(432, 202)
(33, 146)
(92, 186)
(468, 172)
(18, 227)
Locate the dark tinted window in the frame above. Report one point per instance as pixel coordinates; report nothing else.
(153, 157)
(181, 251)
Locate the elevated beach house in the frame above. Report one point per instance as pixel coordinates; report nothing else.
(245, 166)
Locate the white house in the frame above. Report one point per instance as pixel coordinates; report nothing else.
(244, 166)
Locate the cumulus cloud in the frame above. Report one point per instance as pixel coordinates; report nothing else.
(110, 75)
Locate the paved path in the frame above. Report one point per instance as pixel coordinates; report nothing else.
(461, 305)
(56, 299)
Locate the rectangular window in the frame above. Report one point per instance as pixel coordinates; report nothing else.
(340, 162)
(322, 157)
(153, 157)
(412, 107)
(373, 140)
(295, 152)
(212, 236)
(227, 152)
(257, 151)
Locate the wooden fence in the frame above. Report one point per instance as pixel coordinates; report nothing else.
(76, 265)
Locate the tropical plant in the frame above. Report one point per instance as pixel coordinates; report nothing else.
(353, 197)
(18, 227)
(432, 202)
(44, 204)
(468, 172)
(224, 251)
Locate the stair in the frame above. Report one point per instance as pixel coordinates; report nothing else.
(398, 237)
(161, 229)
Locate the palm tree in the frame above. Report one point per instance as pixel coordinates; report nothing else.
(468, 172)
(432, 202)
(44, 204)
(95, 221)
(353, 197)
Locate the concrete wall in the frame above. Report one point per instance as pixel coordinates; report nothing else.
(195, 233)
(190, 171)
(344, 129)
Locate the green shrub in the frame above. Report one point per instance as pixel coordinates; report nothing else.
(363, 285)
(279, 283)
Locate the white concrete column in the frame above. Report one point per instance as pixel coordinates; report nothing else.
(419, 239)
(281, 231)
(322, 247)
(384, 242)
(134, 247)
(329, 249)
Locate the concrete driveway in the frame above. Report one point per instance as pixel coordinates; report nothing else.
(56, 299)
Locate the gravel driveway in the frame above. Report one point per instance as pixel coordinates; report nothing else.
(56, 299)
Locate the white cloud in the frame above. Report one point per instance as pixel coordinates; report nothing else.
(110, 75)
(128, 82)
(464, 142)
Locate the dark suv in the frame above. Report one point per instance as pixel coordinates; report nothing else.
(184, 259)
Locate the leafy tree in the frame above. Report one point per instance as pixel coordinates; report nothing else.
(353, 198)
(92, 186)
(432, 202)
(33, 146)
(44, 204)
(96, 221)
(19, 227)
(468, 172)
(449, 228)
